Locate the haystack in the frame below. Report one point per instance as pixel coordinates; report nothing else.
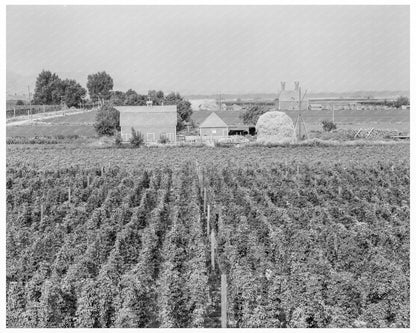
(275, 127)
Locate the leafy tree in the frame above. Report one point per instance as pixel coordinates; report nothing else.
(117, 97)
(107, 121)
(133, 98)
(402, 100)
(251, 115)
(184, 109)
(20, 102)
(73, 92)
(50, 89)
(157, 97)
(99, 86)
(47, 89)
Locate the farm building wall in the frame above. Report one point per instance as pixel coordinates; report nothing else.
(153, 122)
(150, 134)
(214, 131)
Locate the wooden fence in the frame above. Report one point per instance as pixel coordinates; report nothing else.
(13, 111)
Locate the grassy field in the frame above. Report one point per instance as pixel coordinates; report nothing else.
(87, 118)
(31, 131)
(81, 124)
(381, 119)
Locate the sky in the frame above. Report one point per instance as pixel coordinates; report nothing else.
(211, 49)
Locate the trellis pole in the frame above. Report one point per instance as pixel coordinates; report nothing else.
(69, 194)
(208, 218)
(213, 246)
(223, 301)
(205, 200)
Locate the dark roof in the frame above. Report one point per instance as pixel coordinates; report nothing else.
(231, 118)
(213, 120)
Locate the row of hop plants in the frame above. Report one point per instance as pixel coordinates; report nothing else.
(130, 250)
(46, 139)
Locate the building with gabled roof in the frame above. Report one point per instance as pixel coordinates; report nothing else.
(213, 125)
(154, 122)
(224, 123)
(289, 99)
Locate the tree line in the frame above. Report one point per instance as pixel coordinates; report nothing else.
(50, 89)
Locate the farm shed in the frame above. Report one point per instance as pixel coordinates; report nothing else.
(289, 99)
(213, 125)
(154, 122)
(224, 123)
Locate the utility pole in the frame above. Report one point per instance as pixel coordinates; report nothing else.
(30, 101)
(299, 116)
(220, 101)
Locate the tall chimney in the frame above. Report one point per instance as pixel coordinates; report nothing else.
(282, 85)
(296, 85)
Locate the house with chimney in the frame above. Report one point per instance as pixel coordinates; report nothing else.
(289, 99)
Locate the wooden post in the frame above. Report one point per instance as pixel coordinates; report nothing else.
(223, 301)
(14, 112)
(102, 170)
(208, 218)
(41, 212)
(69, 194)
(30, 101)
(339, 190)
(213, 246)
(205, 199)
(88, 180)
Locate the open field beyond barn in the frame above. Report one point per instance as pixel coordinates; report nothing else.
(141, 237)
(383, 119)
(81, 124)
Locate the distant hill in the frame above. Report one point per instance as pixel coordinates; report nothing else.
(269, 96)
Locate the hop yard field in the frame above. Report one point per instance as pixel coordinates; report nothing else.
(307, 236)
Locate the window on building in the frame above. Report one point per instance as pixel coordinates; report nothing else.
(150, 137)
